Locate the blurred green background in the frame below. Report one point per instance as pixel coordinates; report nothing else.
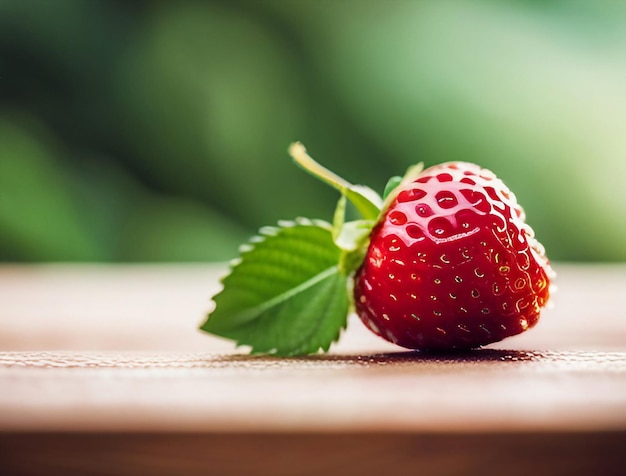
(157, 131)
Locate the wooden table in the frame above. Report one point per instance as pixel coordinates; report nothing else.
(103, 371)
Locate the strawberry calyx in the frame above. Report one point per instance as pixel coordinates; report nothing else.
(351, 237)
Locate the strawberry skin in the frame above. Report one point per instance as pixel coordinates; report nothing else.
(451, 264)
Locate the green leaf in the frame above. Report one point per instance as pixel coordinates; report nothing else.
(366, 201)
(354, 235)
(394, 186)
(287, 294)
(339, 217)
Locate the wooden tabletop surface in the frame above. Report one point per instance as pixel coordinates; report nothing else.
(103, 370)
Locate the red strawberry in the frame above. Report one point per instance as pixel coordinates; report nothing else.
(452, 264)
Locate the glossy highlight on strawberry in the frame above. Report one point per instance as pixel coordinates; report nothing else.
(452, 264)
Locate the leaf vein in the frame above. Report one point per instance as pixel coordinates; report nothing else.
(246, 315)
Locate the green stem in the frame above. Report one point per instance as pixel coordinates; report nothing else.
(366, 200)
(304, 160)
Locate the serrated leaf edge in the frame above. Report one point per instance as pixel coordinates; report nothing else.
(264, 233)
(270, 231)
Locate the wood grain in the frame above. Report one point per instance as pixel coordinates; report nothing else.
(488, 390)
(103, 371)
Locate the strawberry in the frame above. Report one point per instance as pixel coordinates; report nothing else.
(445, 261)
(452, 264)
